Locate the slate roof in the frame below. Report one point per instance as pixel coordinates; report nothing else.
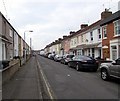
(111, 18)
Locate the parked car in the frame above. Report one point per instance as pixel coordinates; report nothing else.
(99, 60)
(110, 69)
(66, 58)
(46, 55)
(51, 56)
(83, 62)
(58, 58)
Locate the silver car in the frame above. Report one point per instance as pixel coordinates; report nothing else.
(111, 69)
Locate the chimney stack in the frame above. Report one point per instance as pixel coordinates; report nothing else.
(106, 14)
(60, 39)
(83, 26)
(72, 32)
(64, 36)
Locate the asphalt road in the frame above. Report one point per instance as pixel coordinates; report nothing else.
(67, 83)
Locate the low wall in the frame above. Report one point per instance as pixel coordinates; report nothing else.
(8, 72)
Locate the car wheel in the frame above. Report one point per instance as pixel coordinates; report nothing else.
(104, 74)
(77, 67)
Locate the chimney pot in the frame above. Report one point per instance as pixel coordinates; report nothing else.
(72, 32)
(64, 36)
(106, 14)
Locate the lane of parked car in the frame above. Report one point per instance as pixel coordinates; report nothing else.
(107, 68)
(67, 83)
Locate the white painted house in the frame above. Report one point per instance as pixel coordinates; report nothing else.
(94, 41)
(0, 49)
(2, 41)
(15, 44)
(89, 40)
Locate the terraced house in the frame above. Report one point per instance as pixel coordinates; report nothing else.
(11, 43)
(6, 36)
(100, 39)
(111, 36)
(88, 40)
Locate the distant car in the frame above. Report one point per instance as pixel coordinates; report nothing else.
(110, 69)
(46, 55)
(83, 63)
(58, 58)
(51, 56)
(66, 58)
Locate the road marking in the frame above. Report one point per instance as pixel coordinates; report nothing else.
(46, 82)
(39, 88)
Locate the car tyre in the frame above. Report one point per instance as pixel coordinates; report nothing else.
(69, 64)
(104, 74)
(77, 67)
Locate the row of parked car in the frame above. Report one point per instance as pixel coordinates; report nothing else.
(107, 68)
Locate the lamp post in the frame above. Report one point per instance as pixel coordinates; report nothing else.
(30, 46)
(25, 42)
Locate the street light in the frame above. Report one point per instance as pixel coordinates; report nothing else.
(25, 42)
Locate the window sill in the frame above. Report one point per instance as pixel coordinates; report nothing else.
(104, 38)
(116, 35)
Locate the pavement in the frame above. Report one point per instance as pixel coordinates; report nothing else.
(0, 85)
(25, 84)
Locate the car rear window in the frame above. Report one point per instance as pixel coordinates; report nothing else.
(70, 56)
(84, 58)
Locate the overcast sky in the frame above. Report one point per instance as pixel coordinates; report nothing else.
(51, 19)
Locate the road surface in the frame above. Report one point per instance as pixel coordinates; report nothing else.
(67, 83)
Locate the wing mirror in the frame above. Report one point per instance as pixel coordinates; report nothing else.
(113, 62)
(73, 58)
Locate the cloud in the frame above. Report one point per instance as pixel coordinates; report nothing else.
(51, 19)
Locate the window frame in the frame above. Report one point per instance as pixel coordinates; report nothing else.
(10, 32)
(104, 31)
(99, 34)
(91, 35)
(117, 26)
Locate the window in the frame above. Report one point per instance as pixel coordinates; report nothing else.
(75, 41)
(91, 36)
(82, 38)
(88, 52)
(104, 32)
(117, 27)
(99, 34)
(93, 52)
(11, 33)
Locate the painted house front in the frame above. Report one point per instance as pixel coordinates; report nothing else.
(90, 38)
(16, 48)
(93, 40)
(7, 38)
(73, 41)
(0, 37)
(3, 39)
(1, 50)
(111, 36)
